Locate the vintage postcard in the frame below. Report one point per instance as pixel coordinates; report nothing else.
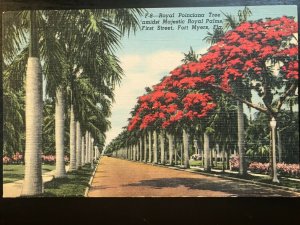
(151, 102)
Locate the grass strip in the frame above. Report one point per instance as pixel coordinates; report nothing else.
(284, 182)
(12, 173)
(72, 186)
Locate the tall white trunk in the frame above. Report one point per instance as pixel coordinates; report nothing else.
(175, 152)
(78, 145)
(186, 149)
(137, 152)
(150, 147)
(60, 170)
(223, 157)
(89, 148)
(141, 149)
(155, 147)
(91, 152)
(207, 165)
(96, 152)
(33, 184)
(82, 151)
(241, 137)
(171, 146)
(145, 148)
(162, 147)
(72, 141)
(86, 159)
(279, 146)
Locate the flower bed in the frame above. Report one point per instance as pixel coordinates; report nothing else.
(292, 170)
(257, 167)
(284, 169)
(18, 159)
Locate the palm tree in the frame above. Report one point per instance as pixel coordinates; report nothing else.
(34, 115)
(186, 148)
(60, 170)
(162, 146)
(230, 22)
(215, 36)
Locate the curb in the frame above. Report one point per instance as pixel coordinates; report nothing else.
(220, 176)
(91, 179)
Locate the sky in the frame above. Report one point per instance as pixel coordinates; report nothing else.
(149, 55)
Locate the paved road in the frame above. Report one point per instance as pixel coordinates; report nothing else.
(122, 178)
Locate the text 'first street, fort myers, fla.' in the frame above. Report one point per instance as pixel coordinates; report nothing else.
(181, 21)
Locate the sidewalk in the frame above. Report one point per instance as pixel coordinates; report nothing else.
(13, 190)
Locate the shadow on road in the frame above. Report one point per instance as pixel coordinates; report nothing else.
(232, 187)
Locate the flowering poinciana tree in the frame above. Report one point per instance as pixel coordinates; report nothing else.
(260, 56)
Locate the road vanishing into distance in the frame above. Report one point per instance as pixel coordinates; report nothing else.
(122, 178)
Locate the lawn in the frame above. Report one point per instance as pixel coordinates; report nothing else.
(199, 163)
(12, 173)
(73, 185)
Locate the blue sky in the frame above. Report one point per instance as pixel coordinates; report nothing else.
(147, 56)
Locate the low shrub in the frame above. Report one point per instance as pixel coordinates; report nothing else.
(196, 157)
(16, 158)
(292, 170)
(284, 169)
(6, 160)
(257, 167)
(48, 159)
(234, 163)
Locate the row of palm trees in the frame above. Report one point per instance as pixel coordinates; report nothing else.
(213, 139)
(70, 55)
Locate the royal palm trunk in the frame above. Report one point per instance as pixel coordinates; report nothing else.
(72, 140)
(279, 146)
(137, 152)
(60, 170)
(223, 157)
(91, 151)
(141, 149)
(145, 148)
(241, 138)
(171, 146)
(33, 184)
(86, 147)
(82, 151)
(186, 149)
(207, 166)
(155, 147)
(150, 147)
(162, 148)
(78, 145)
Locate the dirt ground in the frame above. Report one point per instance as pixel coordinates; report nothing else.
(122, 178)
